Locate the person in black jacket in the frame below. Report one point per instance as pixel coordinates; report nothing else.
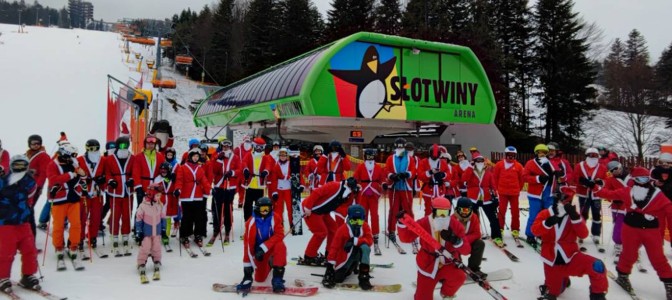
(662, 176)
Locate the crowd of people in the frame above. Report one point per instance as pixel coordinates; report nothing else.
(171, 194)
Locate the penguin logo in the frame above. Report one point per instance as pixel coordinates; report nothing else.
(370, 82)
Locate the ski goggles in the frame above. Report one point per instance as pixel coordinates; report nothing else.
(359, 222)
(283, 154)
(463, 211)
(593, 155)
(510, 156)
(441, 212)
(92, 148)
(122, 146)
(642, 179)
(226, 144)
(19, 166)
(151, 140)
(264, 209)
(35, 144)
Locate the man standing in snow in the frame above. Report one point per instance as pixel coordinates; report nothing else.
(508, 174)
(539, 174)
(240, 152)
(662, 176)
(256, 168)
(588, 174)
(39, 160)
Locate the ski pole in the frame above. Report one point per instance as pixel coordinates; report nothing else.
(221, 218)
(46, 239)
(294, 225)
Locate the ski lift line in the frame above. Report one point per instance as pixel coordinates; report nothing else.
(198, 62)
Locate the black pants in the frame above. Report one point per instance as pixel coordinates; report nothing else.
(31, 217)
(594, 206)
(194, 219)
(222, 205)
(490, 211)
(477, 248)
(251, 195)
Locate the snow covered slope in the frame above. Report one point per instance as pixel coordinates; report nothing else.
(64, 89)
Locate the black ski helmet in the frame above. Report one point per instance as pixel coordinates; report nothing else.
(335, 145)
(462, 204)
(91, 144)
(166, 166)
(263, 201)
(123, 140)
(356, 211)
(110, 145)
(369, 154)
(399, 143)
(34, 138)
(171, 150)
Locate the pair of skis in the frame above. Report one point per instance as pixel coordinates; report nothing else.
(506, 252)
(193, 254)
(395, 243)
(76, 264)
(14, 296)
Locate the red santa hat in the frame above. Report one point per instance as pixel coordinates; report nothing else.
(259, 141)
(640, 172)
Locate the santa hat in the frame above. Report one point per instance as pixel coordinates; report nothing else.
(259, 141)
(640, 172)
(568, 192)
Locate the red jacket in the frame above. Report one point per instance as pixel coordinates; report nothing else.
(659, 206)
(426, 260)
(582, 170)
(221, 167)
(559, 239)
(91, 169)
(615, 183)
(337, 255)
(338, 166)
(325, 199)
(57, 176)
(563, 164)
(4, 160)
(143, 175)
(429, 187)
(192, 182)
(531, 175)
(277, 237)
(311, 168)
(508, 181)
(39, 160)
(113, 170)
(478, 187)
(391, 168)
(611, 156)
(255, 173)
(170, 202)
(371, 182)
(458, 183)
(472, 228)
(281, 178)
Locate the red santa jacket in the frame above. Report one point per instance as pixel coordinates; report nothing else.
(560, 238)
(614, 183)
(221, 167)
(330, 164)
(582, 170)
(170, 202)
(59, 177)
(657, 207)
(426, 259)
(250, 240)
(143, 173)
(326, 198)
(337, 255)
(4, 160)
(192, 182)
(458, 183)
(91, 169)
(370, 180)
(311, 169)
(563, 164)
(255, 173)
(531, 175)
(430, 187)
(611, 156)
(392, 168)
(472, 228)
(39, 160)
(508, 181)
(281, 178)
(479, 186)
(114, 170)
(240, 153)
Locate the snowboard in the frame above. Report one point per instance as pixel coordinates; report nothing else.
(295, 171)
(289, 291)
(385, 266)
(499, 275)
(380, 288)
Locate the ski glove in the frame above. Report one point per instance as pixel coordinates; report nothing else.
(139, 236)
(341, 151)
(54, 190)
(112, 183)
(559, 173)
(394, 177)
(403, 176)
(274, 196)
(559, 210)
(259, 254)
(99, 180)
(176, 193)
(599, 182)
(586, 182)
(263, 174)
(349, 244)
(439, 176)
(129, 183)
(329, 279)
(228, 174)
(2, 171)
(449, 236)
(551, 221)
(246, 173)
(301, 188)
(542, 179)
(385, 187)
(400, 215)
(571, 211)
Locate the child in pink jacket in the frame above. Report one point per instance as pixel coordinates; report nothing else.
(150, 226)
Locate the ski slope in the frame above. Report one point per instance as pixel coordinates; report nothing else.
(54, 80)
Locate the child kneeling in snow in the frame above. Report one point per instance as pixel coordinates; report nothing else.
(150, 226)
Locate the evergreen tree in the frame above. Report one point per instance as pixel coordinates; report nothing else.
(663, 82)
(387, 17)
(614, 71)
(565, 73)
(453, 17)
(347, 17)
(219, 56)
(63, 18)
(261, 35)
(420, 19)
(638, 77)
(300, 29)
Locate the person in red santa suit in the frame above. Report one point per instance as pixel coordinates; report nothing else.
(432, 172)
(39, 160)
(587, 175)
(281, 187)
(462, 165)
(370, 177)
(311, 170)
(92, 206)
(508, 175)
(555, 155)
(316, 210)
(449, 182)
(400, 169)
(481, 190)
(332, 167)
(264, 248)
(464, 213)
(606, 155)
(558, 227)
(240, 152)
(146, 167)
(226, 174)
(645, 205)
(256, 169)
(433, 268)
(350, 250)
(192, 187)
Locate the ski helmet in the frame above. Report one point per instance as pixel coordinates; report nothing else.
(540, 148)
(613, 166)
(399, 143)
(592, 151)
(225, 142)
(261, 203)
(464, 207)
(335, 145)
(283, 150)
(318, 148)
(356, 212)
(18, 163)
(34, 138)
(511, 149)
(110, 145)
(369, 154)
(409, 146)
(440, 203)
(204, 148)
(123, 142)
(434, 151)
(166, 166)
(193, 142)
(193, 152)
(276, 143)
(171, 150)
(92, 145)
(66, 153)
(150, 138)
(553, 146)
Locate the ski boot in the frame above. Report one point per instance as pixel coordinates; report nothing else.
(5, 285)
(277, 281)
(212, 240)
(115, 247)
(376, 248)
(82, 253)
(414, 245)
(498, 242)
(392, 237)
(598, 296)
(42, 226)
(176, 227)
(226, 239)
(184, 241)
(198, 240)
(157, 271)
(479, 273)
(515, 234)
(543, 289)
(364, 277)
(310, 261)
(596, 239)
(60, 260)
(624, 281)
(246, 284)
(143, 274)
(30, 282)
(532, 241)
(617, 249)
(72, 254)
(124, 243)
(668, 290)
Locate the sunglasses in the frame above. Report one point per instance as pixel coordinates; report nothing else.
(479, 161)
(122, 146)
(510, 156)
(282, 155)
(463, 211)
(359, 222)
(441, 212)
(264, 209)
(92, 148)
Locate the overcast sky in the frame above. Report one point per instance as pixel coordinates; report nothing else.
(616, 17)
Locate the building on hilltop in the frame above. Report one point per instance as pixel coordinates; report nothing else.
(81, 13)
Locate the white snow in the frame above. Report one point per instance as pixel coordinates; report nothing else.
(55, 80)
